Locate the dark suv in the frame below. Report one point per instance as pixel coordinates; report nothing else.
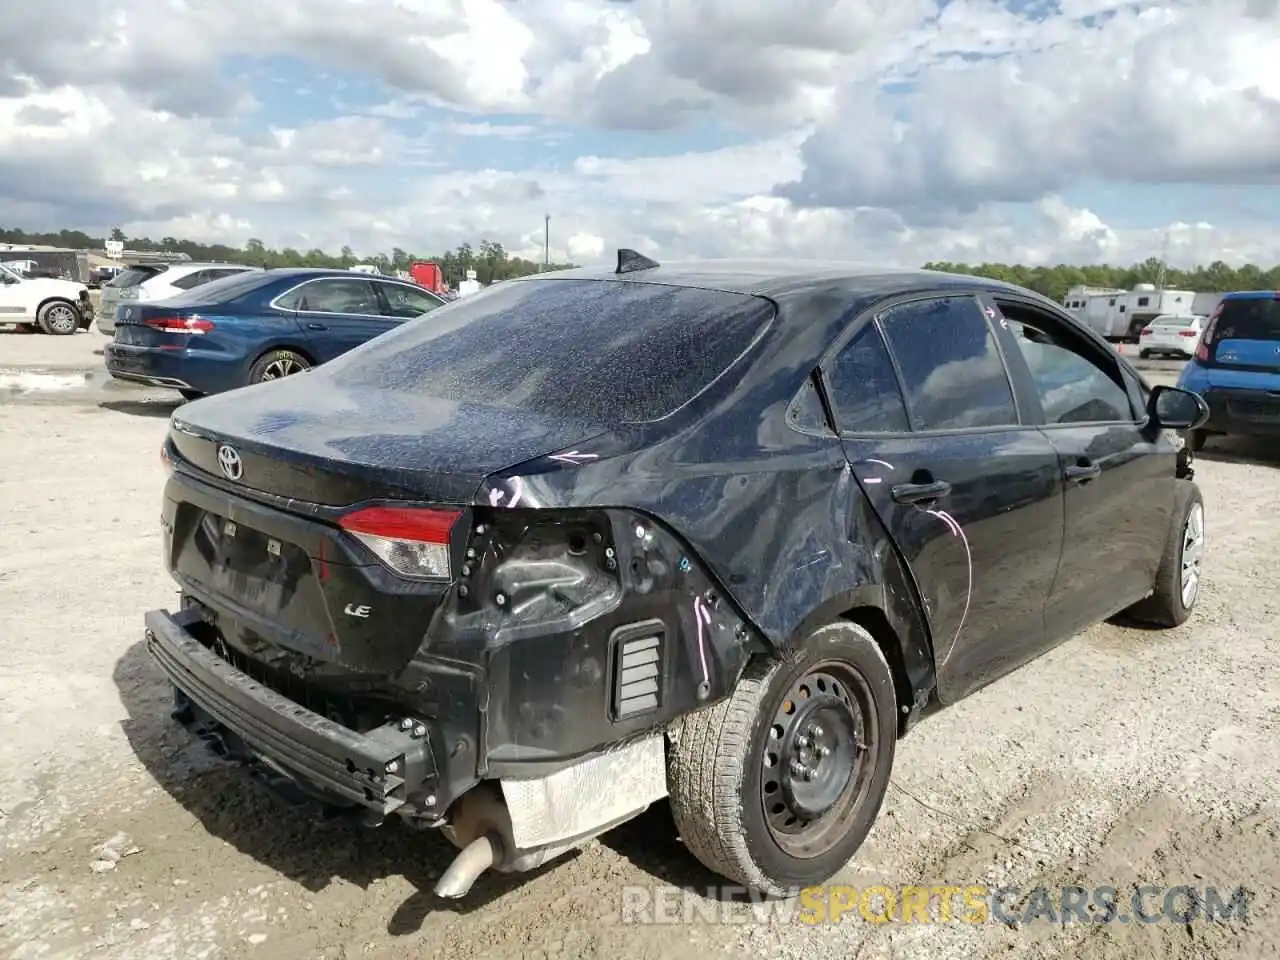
(718, 532)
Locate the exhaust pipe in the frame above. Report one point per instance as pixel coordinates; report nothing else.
(474, 859)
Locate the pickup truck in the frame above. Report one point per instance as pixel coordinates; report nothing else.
(58, 307)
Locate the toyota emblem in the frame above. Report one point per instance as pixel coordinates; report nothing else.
(230, 462)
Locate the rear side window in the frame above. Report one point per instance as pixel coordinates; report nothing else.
(133, 276)
(952, 370)
(864, 387)
(193, 279)
(604, 351)
(1252, 319)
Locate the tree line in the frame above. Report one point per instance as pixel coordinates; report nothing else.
(490, 260)
(1054, 282)
(492, 263)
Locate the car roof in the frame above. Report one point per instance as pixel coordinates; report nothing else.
(784, 279)
(1252, 295)
(320, 272)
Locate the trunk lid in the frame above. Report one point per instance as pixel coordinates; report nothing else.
(306, 438)
(151, 325)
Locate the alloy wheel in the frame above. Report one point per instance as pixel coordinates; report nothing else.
(1192, 554)
(61, 319)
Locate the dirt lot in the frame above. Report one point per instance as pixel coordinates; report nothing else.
(1124, 757)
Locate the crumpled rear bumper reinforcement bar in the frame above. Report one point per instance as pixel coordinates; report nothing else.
(379, 770)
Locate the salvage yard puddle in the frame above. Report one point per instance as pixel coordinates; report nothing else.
(36, 381)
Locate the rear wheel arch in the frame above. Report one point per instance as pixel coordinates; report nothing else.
(876, 622)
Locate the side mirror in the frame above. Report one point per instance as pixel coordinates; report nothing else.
(1173, 408)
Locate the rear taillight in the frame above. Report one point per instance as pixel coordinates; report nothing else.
(1206, 339)
(1146, 331)
(179, 324)
(1186, 333)
(413, 541)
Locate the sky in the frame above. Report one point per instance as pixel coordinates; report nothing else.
(887, 131)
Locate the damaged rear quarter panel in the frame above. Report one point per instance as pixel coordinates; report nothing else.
(773, 516)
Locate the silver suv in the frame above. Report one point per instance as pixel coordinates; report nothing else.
(148, 282)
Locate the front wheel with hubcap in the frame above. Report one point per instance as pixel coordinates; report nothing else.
(1177, 584)
(59, 318)
(278, 364)
(777, 786)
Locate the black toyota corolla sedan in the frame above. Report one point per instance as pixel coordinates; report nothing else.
(717, 532)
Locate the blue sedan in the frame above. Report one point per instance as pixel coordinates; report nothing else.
(257, 326)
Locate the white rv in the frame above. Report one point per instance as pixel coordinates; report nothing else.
(1120, 315)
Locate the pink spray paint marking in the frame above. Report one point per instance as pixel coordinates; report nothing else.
(702, 615)
(957, 531)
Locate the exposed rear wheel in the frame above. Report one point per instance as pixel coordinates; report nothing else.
(1177, 585)
(1195, 440)
(59, 318)
(777, 786)
(277, 364)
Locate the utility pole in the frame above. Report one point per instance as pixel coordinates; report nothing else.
(1164, 261)
(546, 241)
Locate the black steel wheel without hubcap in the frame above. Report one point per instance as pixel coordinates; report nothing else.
(819, 759)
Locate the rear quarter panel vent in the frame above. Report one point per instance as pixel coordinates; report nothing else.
(637, 655)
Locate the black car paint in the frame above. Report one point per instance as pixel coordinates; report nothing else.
(734, 497)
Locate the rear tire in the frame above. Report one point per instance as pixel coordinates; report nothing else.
(58, 318)
(1177, 585)
(276, 364)
(1195, 440)
(764, 794)
(190, 394)
(1144, 354)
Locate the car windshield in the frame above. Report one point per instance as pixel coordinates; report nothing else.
(1250, 319)
(602, 351)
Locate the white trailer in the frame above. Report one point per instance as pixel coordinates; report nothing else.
(1120, 315)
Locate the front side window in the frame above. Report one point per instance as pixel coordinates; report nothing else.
(1072, 387)
(405, 303)
(952, 370)
(864, 388)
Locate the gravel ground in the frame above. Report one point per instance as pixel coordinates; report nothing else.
(1124, 757)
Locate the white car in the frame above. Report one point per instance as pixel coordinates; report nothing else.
(1176, 334)
(148, 282)
(54, 306)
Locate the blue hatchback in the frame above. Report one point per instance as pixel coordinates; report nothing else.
(257, 326)
(1236, 368)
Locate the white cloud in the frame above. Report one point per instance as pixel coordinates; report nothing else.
(867, 129)
(1179, 92)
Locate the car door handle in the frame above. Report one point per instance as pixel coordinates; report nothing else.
(1082, 472)
(316, 326)
(919, 492)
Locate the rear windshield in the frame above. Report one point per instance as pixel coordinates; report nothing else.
(133, 276)
(603, 351)
(1252, 319)
(223, 289)
(1174, 321)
